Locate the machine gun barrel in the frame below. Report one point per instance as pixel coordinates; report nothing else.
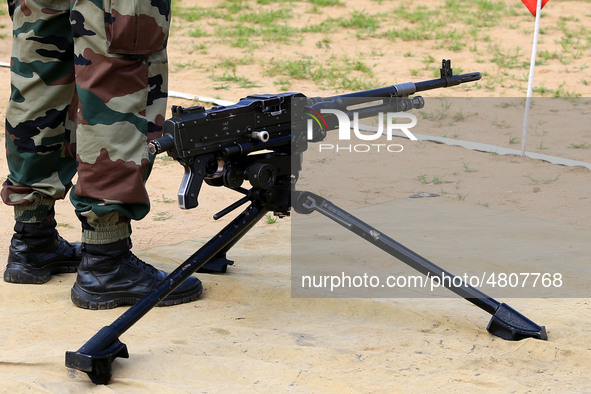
(445, 82)
(401, 90)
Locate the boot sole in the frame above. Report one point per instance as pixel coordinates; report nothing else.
(109, 300)
(19, 273)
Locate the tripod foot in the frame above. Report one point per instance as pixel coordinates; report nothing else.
(218, 264)
(511, 325)
(97, 364)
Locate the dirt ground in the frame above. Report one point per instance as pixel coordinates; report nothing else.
(247, 333)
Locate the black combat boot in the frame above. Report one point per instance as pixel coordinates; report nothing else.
(111, 275)
(37, 251)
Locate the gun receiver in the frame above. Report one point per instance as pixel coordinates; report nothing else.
(216, 145)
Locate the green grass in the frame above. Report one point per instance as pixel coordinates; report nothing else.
(234, 79)
(197, 32)
(462, 197)
(584, 145)
(326, 3)
(407, 34)
(509, 59)
(264, 17)
(345, 72)
(455, 26)
(164, 159)
(270, 219)
(435, 180)
(361, 20)
(192, 14)
(161, 216)
(421, 15)
(467, 168)
(166, 200)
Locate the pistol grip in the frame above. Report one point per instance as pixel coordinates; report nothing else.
(191, 183)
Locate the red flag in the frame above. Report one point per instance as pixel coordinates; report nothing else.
(532, 4)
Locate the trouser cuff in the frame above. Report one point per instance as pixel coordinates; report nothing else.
(40, 212)
(106, 234)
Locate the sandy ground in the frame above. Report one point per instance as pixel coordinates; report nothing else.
(248, 333)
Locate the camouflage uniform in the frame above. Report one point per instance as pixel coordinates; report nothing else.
(89, 90)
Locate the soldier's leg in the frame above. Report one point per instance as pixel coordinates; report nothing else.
(122, 87)
(39, 139)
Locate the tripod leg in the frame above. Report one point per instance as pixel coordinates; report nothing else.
(506, 322)
(96, 355)
(219, 263)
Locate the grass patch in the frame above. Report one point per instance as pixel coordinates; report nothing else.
(435, 180)
(584, 145)
(234, 79)
(345, 72)
(161, 216)
(467, 168)
(451, 26)
(270, 219)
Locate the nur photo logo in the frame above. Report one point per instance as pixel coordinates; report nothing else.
(388, 122)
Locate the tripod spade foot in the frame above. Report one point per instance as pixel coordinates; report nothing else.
(96, 362)
(511, 325)
(218, 264)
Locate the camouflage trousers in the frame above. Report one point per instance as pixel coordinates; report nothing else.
(88, 92)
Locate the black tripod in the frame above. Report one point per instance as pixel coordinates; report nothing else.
(95, 357)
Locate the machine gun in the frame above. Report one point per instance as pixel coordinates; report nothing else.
(261, 140)
(214, 144)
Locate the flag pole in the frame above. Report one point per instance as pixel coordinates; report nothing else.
(530, 82)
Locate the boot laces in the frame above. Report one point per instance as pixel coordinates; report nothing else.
(136, 261)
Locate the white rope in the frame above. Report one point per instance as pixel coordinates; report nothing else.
(482, 147)
(203, 99)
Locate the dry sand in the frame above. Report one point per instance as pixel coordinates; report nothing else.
(248, 333)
